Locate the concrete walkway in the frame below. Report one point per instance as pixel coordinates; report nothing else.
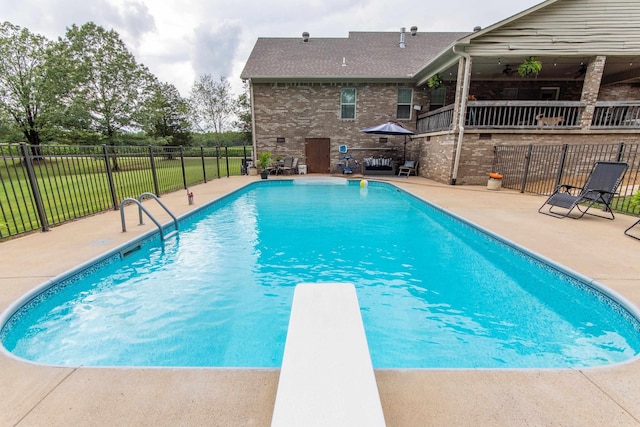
(34, 395)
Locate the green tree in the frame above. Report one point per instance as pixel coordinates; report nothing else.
(9, 132)
(165, 115)
(212, 105)
(109, 86)
(23, 80)
(243, 122)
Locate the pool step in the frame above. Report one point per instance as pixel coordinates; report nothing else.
(326, 377)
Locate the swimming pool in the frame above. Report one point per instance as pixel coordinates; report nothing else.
(220, 293)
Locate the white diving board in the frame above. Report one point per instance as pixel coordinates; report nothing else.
(326, 377)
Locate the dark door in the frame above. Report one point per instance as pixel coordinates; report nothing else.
(317, 151)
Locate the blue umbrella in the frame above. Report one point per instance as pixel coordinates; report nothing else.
(389, 128)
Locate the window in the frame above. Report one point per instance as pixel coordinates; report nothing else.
(437, 98)
(348, 103)
(405, 96)
(549, 93)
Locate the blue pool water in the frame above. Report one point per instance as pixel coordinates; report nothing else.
(433, 290)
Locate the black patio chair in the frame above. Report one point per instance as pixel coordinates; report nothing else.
(629, 234)
(600, 188)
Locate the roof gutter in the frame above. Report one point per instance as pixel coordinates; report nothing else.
(462, 113)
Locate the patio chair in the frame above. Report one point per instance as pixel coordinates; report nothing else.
(290, 167)
(631, 235)
(600, 188)
(409, 167)
(286, 166)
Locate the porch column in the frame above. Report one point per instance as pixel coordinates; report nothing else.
(590, 89)
(456, 102)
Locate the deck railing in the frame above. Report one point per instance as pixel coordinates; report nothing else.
(533, 115)
(436, 120)
(523, 114)
(616, 115)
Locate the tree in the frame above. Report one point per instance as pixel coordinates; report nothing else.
(109, 86)
(243, 114)
(23, 80)
(165, 115)
(212, 105)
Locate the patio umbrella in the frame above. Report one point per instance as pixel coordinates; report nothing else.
(390, 128)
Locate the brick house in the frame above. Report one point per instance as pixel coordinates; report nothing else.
(461, 93)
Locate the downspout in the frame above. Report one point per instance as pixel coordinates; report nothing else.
(462, 115)
(253, 125)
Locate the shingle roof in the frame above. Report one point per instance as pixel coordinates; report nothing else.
(373, 55)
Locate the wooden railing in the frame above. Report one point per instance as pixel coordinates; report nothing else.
(523, 114)
(436, 120)
(533, 115)
(616, 115)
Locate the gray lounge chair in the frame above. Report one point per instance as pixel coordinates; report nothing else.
(409, 167)
(600, 188)
(632, 225)
(290, 166)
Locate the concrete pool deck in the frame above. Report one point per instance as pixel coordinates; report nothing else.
(34, 395)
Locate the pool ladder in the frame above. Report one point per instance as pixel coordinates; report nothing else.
(141, 209)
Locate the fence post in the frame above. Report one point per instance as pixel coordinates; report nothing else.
(35, 189)
(226, 155)
(204, 169)
(218, 160)
(154, 173)
(620, 152)
(563, 156)
(184, 171)
(527, 161)
(112, 185)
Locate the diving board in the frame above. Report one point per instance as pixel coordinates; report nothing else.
(326, 377)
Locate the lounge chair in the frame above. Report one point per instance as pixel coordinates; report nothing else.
(632, 225)
(290, 167)
(286, 166)
(600, 188)
(409, 167)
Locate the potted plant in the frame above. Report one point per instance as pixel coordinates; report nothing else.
(435, 81)
(530, 66)
(264, 160)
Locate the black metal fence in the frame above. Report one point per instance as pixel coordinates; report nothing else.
(540, 168)
(49, 184)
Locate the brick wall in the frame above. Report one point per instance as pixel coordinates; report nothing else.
(299, 111)
(619, 92)
(296, 112)
(528, 90)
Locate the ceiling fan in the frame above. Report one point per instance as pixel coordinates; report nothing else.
(508, 70)
(581, 71)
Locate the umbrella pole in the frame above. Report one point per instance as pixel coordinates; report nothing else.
(404, 153)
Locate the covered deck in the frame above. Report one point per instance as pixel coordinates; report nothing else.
(534, 115)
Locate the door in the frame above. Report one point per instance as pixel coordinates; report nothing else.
(317, 152)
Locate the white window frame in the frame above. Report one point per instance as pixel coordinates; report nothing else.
(345, 104)
(550, 93)
(406, 104)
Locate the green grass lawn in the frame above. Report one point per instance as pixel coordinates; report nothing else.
(73, 187)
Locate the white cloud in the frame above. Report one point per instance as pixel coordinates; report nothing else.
(180, 40)
(214, 48)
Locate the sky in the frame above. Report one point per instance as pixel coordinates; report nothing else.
(180, 40)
